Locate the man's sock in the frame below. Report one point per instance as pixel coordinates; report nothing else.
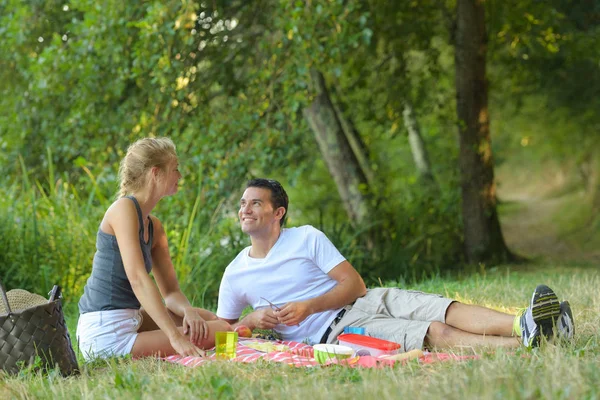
(517, 323)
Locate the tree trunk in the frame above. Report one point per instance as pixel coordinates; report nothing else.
(483, 236)
(358, 146)
(340, 159)
(417, 144)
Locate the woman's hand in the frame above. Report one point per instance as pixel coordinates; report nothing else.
(195, 325)
(185, 348)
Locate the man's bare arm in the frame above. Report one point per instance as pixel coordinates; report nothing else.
(350, 286)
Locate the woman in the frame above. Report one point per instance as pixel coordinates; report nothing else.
(131, 242)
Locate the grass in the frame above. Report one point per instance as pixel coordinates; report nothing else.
(557, 372)
(48, 231)
(35, 222)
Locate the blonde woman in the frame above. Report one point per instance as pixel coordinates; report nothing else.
(121, 310)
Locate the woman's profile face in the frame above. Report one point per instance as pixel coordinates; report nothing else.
(172, 176)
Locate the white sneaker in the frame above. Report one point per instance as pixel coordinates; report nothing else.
(565, 326)
(540, 317)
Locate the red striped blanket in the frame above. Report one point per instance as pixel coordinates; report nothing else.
(301, 355)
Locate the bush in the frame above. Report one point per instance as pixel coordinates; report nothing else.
(48, 235)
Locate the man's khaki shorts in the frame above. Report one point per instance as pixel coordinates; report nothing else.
(401, 316)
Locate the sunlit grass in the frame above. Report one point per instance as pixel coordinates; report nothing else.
(48, 234)
(553, 372)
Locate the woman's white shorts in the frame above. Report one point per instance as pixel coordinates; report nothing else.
(108, 333)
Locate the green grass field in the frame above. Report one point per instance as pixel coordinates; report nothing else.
(553, 372)
(553, 230)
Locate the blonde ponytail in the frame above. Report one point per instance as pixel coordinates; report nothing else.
(140, 158)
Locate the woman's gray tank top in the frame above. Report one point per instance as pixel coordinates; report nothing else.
(108, 287)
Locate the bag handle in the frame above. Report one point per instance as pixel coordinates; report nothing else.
(4, 298)
(55, 294)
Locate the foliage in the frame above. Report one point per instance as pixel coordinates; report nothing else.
(545, 67)
(228, 80)
(46, 237)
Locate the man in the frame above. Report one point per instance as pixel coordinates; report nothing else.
(299, 284)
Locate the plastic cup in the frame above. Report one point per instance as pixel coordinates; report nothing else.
(355, 329)
(325, 352)
(226, 345)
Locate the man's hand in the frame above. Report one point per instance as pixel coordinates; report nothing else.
(263, 318)
(293, 313)
(195, 325)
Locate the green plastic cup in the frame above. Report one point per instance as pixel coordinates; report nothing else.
(226, 345)
(326, 352)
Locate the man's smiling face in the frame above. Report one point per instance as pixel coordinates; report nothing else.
(256, 211)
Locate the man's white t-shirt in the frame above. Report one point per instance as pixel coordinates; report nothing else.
(295, 269)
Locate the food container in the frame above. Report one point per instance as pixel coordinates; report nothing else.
(326, 352)
(355, 329)
(368, 346)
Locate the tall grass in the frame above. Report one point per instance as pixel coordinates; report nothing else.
(48, 231)
(46, 234)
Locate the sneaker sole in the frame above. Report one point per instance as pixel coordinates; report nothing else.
(545, 309)
(566, 319)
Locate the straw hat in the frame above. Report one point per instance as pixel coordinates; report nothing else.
(20, 299)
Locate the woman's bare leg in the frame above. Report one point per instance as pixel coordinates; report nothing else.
(156, 342)
(148, 323)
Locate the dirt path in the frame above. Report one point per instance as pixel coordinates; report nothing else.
(528, 230)
(528, 217)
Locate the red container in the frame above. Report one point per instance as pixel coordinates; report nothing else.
(368, 346)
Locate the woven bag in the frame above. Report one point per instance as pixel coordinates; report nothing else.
(38, 330)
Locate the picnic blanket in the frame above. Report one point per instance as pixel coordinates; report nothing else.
(301, 355)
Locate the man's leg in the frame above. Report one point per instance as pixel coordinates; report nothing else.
(479, 320)
(440, 335)
(538, 319)
(402, 316)
(413, 334)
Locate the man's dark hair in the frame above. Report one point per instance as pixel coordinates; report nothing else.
(279, 197)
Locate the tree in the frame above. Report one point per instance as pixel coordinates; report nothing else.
(326, 123)
(482, 234)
